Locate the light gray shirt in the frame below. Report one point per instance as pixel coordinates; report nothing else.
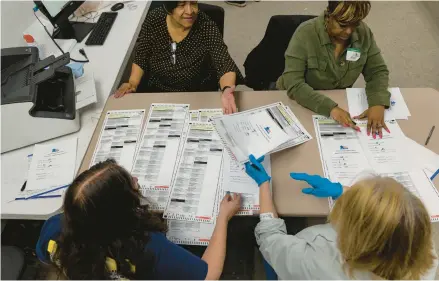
(311, 254)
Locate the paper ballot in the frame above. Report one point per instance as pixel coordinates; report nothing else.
(357, 102)
(119, 137)
(235, 179)
(52, 167)
(195, 184)
(346, 153)
(257, 131)
(158, 151)
(189, 232)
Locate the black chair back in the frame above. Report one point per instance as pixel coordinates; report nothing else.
(266, 63)
(215, 13)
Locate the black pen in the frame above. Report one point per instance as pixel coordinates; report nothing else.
(429, 135)
(23, 187)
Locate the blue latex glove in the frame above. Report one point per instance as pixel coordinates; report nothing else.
(320, 187)
(256, 171)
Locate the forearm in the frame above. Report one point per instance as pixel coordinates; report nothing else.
(306, 96)
(136, 75)
(376, 76)
(215, 253)
(228, 79)
(266, 200)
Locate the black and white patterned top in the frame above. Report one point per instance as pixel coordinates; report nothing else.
(200, 59)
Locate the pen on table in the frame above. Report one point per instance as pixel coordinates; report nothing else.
(429, 135)
(434, 175)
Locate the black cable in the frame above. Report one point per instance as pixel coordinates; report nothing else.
(53, 40)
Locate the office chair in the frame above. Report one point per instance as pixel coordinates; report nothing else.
(266, 62)
(13, 263)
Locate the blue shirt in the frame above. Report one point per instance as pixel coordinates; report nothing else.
(171, 261)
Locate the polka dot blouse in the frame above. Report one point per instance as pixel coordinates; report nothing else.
(194, 64)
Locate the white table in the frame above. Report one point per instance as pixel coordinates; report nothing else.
(107, 63)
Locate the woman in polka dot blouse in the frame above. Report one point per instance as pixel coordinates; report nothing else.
(182, 50)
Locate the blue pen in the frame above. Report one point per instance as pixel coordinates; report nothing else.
(434, 175)
(48, 191)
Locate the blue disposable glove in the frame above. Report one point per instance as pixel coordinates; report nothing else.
(256, 171)
(320, 187)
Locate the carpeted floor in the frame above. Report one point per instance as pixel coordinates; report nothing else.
(406, 31)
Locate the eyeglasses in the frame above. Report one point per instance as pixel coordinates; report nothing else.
(173, 50)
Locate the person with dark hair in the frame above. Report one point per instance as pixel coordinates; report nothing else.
(330, 52)
(182, 50)
(105, 233)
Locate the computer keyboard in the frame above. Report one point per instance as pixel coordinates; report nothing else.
(102, 28)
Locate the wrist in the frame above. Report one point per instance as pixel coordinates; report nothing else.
(225, 90)
(222, 218)
(133, 84)
(340, 190)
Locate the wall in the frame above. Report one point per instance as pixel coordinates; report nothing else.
(16, 16)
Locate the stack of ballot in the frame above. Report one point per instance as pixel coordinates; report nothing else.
(260, 131)
(182, 165)
(346, 153)
(357, 102)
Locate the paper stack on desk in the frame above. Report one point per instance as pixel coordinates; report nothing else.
(346, 153)
(51, 170)
(357, 102)
(181, 164)
(259, 131)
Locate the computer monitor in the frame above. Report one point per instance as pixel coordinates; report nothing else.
(58, 13)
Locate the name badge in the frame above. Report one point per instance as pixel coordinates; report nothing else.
(353, 54)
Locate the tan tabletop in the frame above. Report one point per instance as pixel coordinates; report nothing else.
(423, 104)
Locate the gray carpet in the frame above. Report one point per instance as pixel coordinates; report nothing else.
(407, 33)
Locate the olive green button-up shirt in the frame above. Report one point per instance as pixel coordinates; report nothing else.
(310, 65)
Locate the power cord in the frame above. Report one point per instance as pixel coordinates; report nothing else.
(81, 51)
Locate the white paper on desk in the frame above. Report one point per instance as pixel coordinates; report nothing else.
(257, 131)
(294, 129)
(341, 153)
(419, 156)
(386, 154)
(119, 137)
(419, 184)
(52, 166)
(357, 102)
(189, 232)
(197, 177)
(85, 90)
(346, 154)
(159, 150)
(25, 193)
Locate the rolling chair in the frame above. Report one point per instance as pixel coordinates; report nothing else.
(266, 62)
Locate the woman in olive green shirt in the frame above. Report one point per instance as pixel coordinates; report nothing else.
(330, 52)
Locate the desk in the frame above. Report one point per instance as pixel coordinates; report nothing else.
(287, 194)
(107, 63)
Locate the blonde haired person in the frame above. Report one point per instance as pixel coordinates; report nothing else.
(377, 230)
(330, 52)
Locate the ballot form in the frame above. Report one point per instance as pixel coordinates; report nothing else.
(258, 131)
(197, 178)
(357, 102)
(235, 179)
(189, 232)
(119, 137)
(294, 129)
(158, 151)
(346, 153)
